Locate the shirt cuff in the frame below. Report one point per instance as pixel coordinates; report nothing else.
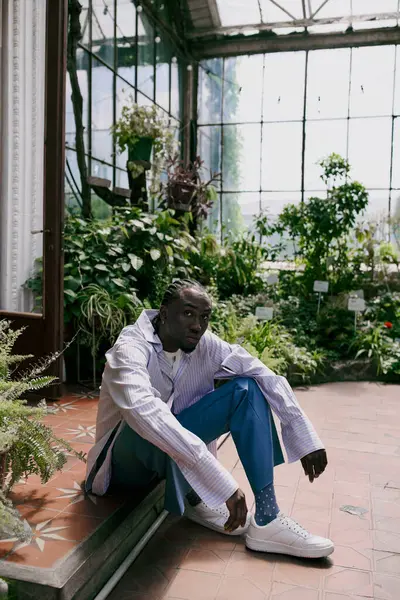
(300, 439)
(210, 480)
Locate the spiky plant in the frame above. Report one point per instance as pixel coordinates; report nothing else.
(27, 446)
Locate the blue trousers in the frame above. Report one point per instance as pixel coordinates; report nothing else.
(237, 406)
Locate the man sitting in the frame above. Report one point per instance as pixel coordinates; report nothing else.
(159, 416)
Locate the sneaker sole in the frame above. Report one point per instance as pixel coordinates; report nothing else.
(276, 548)
(216, 528)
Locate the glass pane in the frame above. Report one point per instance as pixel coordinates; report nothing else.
(243, 89)
(73, 201)
(396, 155)
(84, 22)
(275, 202)
(378, 205)
(281, 156)
(238, 12)
(397, 83)
(210, 91)
(144, 100)
(83, 77)
(102, 111)
(175, 89)
(322, 138)
(209, 148)
(284, 86)
(395, 204)
(273, 14)
(372, 7)
(372, 81)
(238, 212)
(241, 157)
(145, 67)
(333, 8)
(121, 178)
(328, 83)
(103, 22)
(126, 39)
(163, 62)
(214, 218)
(370, 150)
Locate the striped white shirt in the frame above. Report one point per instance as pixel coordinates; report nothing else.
(137, 386)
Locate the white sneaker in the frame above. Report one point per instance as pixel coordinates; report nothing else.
(285, 536)
(214, 519)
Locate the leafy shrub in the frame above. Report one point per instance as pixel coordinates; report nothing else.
(374, 343)
(321, 228)
(270, 342)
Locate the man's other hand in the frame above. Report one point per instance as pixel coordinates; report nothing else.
(237, 511)
(314, 464)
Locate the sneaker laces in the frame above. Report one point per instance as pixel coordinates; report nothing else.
(292, 525)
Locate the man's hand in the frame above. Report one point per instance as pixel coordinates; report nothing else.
(314, 464)
(237, 510)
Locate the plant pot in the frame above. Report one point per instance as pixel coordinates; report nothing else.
(180, 196)
(141, 150)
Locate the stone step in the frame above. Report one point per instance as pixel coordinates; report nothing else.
(83, 572)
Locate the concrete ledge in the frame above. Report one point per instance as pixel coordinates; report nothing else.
(83, 572)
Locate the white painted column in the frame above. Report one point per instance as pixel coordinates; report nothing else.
(22, 81)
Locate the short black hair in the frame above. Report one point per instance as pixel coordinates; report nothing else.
(174, 290)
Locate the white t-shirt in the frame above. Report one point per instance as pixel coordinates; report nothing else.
(174, 359)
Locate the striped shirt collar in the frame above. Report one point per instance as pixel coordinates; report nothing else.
(144, 323)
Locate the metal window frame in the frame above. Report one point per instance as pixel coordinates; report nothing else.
(303, 191)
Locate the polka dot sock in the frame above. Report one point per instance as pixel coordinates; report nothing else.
(266, 506)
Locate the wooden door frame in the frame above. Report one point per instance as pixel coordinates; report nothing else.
(47, 329)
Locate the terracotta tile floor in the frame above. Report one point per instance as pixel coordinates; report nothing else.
(360, 425)
(59, 513)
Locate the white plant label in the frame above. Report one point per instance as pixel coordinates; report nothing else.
(358, 293)
(321, 286)
(272, 279)
(356, 304)
(264, 313)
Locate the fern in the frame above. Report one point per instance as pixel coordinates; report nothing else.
(27, 446)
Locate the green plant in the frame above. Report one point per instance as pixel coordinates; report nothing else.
(235, 266)
(27, 446)
(374, 342)
(270, 342)
(321, 228)
(138, 122)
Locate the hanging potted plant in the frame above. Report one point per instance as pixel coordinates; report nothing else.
(185, 189)
(146, 134)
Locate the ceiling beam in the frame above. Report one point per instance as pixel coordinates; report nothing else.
(239, 45)
(214, 13)
(296, 23)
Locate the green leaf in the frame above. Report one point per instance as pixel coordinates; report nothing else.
(101, 267)
(136, 262)
(155, 254)
(125, 267)
(70, 293)
(118, 282)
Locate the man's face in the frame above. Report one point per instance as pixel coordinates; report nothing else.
(186, 319)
